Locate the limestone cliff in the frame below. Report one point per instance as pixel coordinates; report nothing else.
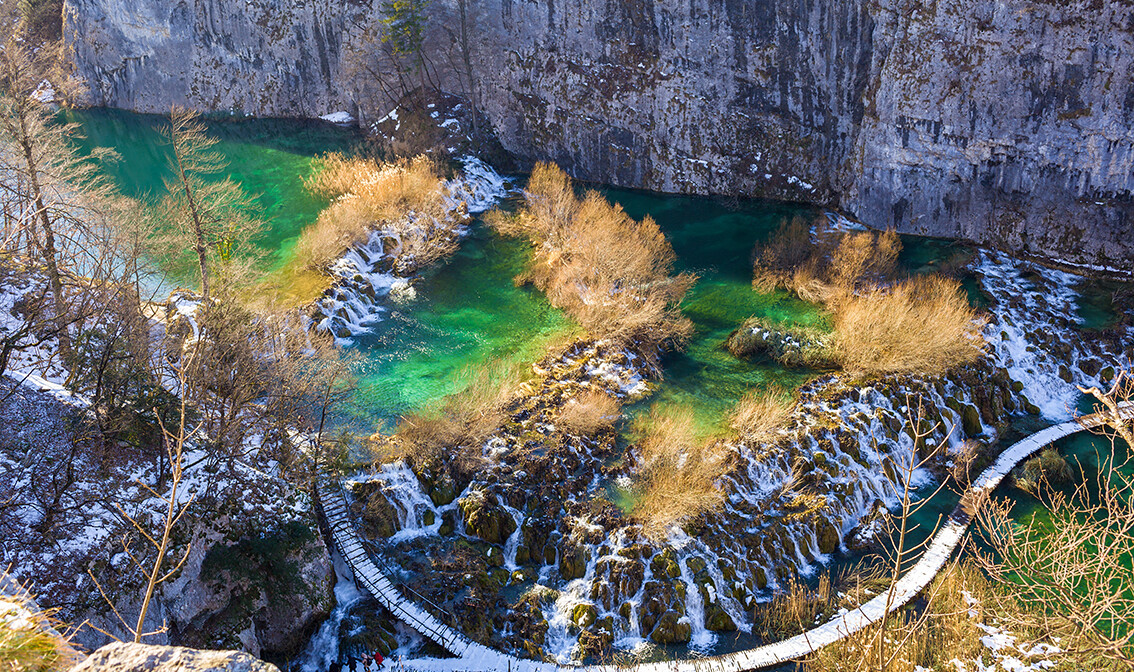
(1004, 122)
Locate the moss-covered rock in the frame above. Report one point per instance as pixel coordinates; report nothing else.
(828, 536)
(664, 564)
(448, 523)
(377, 515)
(444, 491)
(671, 628)
(584, 615)
(486, 518)
(718, 620)
(573, 560)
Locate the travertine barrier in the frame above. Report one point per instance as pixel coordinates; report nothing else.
(477, 657)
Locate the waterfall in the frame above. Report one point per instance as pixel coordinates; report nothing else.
(323, 648)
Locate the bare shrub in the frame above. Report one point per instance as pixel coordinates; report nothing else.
(1110, 405)
(793, 609)
(1071, 578)
(589, 413)
(613, 274)
(455, 430)
(863, 257)
(677, 473)
(788, 249)
(406, 198)
(758, 414)
(923, 325)
(828, 269)
(946, 629)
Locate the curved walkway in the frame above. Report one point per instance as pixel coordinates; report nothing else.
(473, 656)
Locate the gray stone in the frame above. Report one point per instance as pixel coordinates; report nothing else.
(122, 657)
(1001, 122)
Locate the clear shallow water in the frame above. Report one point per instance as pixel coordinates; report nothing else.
(468, 312)
(268, 157)
(715, 240)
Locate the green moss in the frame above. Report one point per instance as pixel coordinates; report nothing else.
(269, 563)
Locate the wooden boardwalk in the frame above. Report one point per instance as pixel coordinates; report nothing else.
(477, 657)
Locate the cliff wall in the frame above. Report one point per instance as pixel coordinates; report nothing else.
(1008, 123)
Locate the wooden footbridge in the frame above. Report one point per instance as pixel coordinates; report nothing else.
(472, 656)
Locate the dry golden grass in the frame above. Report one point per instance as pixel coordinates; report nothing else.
(26, 645)
(759, 413)
(677, 473)
(611, 273)
(370, 196)
(589, 413)
(793, 609)
(943, 631)
(921, 325)
(456, 429)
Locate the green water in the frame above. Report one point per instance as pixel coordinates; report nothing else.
(715, 239)
(268, 157)
(468, 312)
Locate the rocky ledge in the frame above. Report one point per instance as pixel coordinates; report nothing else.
(122, 657)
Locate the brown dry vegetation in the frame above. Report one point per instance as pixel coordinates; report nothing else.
(758, 414)
(677, 473)
(787, 250)
(458, 427)
(27, 642)
(589, 413)
(793, 609)
(406, 197)
(922, 324)
(611, 273)
(943, 631)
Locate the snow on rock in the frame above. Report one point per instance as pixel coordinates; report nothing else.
(342, 117)
(44, 93)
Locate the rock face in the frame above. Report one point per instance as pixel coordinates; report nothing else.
(1002, 122)
(121, 657)
(262, 57)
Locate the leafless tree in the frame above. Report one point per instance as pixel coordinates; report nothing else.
(207, 211)
(175, 504)
(1072, 578)
(57, 204)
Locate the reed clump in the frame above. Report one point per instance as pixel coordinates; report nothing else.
(406, 199)
(26, 641)
(613, 274)
(760, 413)
(589, 413)
(677, 473)
(883, 324)
(793, 609)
